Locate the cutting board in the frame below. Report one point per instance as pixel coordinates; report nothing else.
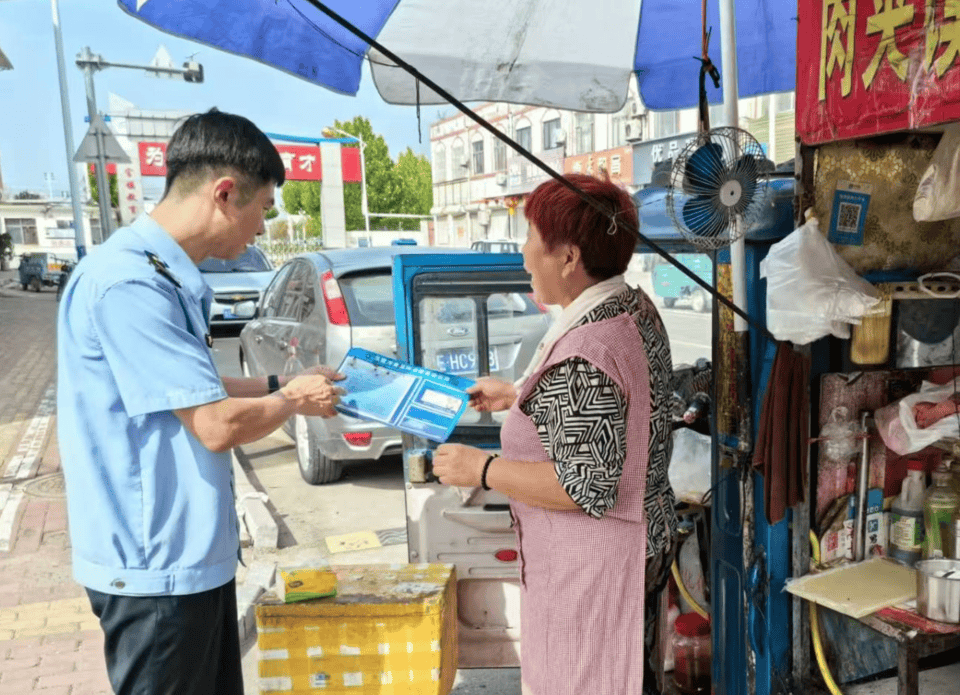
(858, 589)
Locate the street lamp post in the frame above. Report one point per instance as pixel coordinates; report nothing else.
(363, 173)
(79, 238)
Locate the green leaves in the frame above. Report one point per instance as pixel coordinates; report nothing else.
(404, 186)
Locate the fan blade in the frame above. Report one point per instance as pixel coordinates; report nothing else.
(704, 169)
(698, 214)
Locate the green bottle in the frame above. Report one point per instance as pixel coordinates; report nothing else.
(938, 507)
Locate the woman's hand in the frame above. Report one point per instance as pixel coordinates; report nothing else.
(323, 370)
(458, 464)
(490, 394)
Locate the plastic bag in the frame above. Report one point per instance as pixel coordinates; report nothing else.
(689, 469)
(840, 436)
(811, 291)
(938, 195)
(898, 427)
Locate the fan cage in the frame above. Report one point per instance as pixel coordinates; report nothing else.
(714, 185)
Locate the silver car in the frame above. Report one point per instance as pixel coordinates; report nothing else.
(242, 279)
(320, 305)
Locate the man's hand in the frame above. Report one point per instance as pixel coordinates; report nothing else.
(312, 394)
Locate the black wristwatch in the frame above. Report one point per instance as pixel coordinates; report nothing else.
(273, 383)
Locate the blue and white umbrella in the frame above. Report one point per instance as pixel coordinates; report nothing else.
(571, 54)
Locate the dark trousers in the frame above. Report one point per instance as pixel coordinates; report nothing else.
(171, 645)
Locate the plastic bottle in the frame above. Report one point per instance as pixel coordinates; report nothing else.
(691, 653)
(938, 507)
(906, 518)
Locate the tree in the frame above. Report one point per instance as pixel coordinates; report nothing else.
(95, 191)
(271, 213)
(416, 187)
(383, 185)
(27, 195)
(303, 197)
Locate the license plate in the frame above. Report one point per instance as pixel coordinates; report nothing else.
(463, 361)
(227, 314)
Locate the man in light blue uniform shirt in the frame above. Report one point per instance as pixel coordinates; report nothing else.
(146, 424)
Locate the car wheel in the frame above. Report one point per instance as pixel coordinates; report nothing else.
(315, 468)
(699, 301)
(24, 286)
(668, 302)
(35, 284)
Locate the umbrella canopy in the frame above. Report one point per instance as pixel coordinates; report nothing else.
(567, 54)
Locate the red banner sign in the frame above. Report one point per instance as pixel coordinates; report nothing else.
(866, 67)
(302, 162)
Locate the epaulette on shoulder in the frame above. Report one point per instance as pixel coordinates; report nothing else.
(162, 268)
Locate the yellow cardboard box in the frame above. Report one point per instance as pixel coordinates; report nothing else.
(390, 630)
(303, 583)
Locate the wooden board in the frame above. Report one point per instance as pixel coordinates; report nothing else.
(858, 589)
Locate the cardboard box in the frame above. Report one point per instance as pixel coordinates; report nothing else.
(390, 630)
(304, 583)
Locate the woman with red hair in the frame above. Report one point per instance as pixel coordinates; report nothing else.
(584, 450)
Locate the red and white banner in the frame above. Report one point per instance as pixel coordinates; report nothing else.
(302, 162)
(866, 67)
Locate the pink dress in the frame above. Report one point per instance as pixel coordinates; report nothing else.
(582, 579)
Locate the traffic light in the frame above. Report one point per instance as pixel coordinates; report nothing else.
(194, 71)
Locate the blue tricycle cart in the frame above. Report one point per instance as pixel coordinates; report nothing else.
(41, 269)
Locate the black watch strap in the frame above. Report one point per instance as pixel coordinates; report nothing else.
(273, 383)
(486, 467)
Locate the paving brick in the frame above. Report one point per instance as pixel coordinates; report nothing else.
(18, 684)
(60, 680)
(57, 664)
(23, 648)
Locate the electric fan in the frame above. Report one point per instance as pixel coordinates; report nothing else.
(712, 197)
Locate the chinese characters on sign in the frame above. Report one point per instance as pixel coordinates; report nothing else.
(130, 193)
(302, 162)
(866, 67)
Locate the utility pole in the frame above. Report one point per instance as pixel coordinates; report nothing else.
(78, 235)
(90, 63)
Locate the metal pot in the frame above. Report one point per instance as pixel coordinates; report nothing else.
(938, 590)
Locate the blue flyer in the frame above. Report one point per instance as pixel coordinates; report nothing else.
(413, 399)
(850, 203)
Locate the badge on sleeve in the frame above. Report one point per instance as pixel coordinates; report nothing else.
(162, 268)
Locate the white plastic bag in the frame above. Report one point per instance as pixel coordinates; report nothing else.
(689, 469)
(938, 195)
(898, 427)
(811, 291)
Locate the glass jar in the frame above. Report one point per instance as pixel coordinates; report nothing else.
(691, 653)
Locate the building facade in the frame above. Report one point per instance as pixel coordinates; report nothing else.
(44, 225)
(480, 182)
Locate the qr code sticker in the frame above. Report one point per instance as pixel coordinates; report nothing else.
(849, 217)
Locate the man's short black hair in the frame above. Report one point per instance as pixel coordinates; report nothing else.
(215, 141)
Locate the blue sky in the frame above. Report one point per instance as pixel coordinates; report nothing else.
(31, 124)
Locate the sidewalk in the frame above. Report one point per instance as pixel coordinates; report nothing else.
(50, 641)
